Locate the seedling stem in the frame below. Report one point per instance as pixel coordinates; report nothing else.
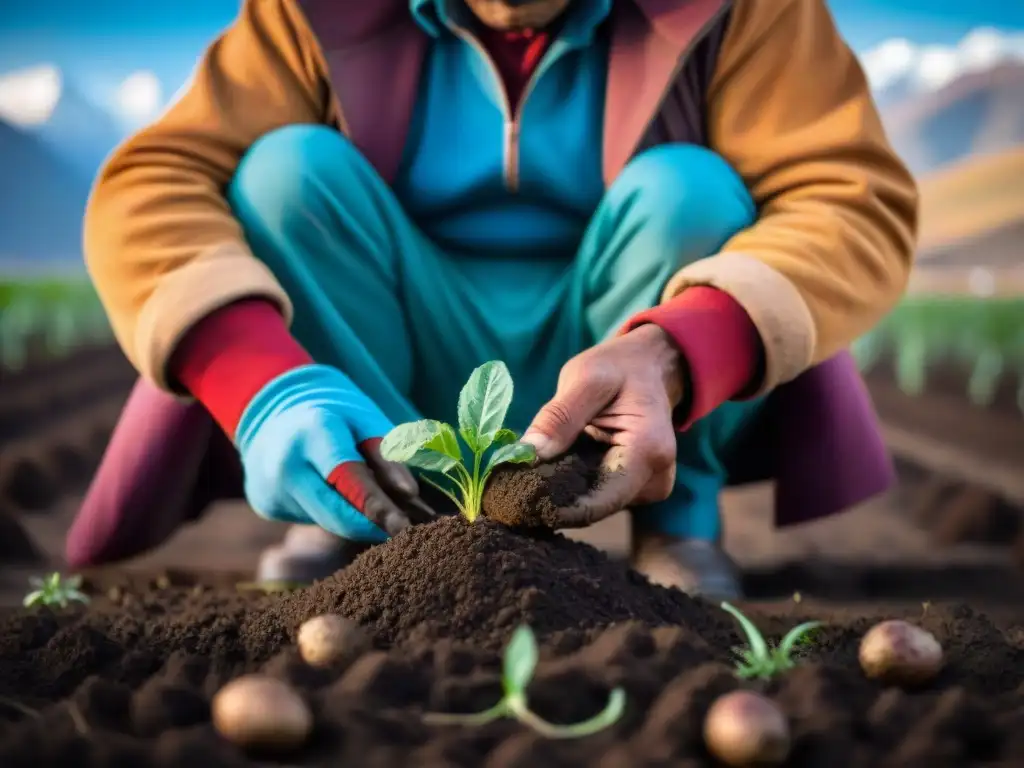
(761, 660)
(520, 663)
(434, 447)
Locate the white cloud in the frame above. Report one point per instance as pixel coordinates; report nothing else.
(29, 96)
(930, 67)
(139, 97)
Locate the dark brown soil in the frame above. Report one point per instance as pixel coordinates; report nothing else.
(529, 497)
(128, 680)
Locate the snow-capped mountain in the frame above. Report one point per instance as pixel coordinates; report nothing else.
(79, 132)
(943, 104)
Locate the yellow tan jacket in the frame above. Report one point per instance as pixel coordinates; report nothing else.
(768, 84)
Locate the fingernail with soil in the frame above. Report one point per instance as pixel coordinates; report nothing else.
(541, 444)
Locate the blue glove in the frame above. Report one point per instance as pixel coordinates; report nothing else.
(309, 447)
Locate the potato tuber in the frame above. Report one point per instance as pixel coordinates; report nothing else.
(744, 728)
(256, 712)
(900, 653)
(328, 639)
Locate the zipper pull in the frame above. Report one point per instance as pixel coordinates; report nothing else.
(512, 155)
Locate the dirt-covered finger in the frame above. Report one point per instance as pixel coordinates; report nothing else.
(622, 482)
(358, 485)
(393, 477)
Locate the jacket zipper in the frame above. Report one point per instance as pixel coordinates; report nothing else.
(512, 119)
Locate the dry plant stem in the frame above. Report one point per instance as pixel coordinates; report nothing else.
(11, 704)
(79, 720)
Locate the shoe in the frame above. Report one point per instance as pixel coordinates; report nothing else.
(307, 553)
(696, 566)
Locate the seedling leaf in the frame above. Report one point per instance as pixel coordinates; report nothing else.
(402, 442)
(52, 590)
(445, 442)
(516, 453)
(483, 404)
(520, 660)
(431, 461)
(505, 437)
(796, 636)
(760, 660)
(758, 647)
(433, 447)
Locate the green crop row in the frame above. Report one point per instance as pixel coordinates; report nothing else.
(49, 316)
(985, 337)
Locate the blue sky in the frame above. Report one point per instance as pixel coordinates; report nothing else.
(99, 42)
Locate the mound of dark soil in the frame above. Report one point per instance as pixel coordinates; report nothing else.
(128, 680)
(475, 582)
(529, 496)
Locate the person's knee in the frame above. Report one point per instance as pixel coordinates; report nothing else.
(286, 170)
(689, 191)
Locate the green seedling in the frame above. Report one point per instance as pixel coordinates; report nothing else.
(433, 446)
(53, 590)
(520, 663)
(764, 661)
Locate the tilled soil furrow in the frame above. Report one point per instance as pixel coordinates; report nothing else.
(130, 679)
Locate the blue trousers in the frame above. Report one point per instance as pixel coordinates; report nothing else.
(408, 322)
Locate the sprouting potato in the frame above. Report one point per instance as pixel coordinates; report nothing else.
(256, 712)
(325, 640)
(744, 728)
(900, 653)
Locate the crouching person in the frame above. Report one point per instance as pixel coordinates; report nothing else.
(668, 219)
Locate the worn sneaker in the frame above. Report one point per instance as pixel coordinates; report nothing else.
(696, 566)
(307, 553)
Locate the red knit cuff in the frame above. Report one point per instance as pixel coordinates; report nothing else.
(721, 347)
(231, 354)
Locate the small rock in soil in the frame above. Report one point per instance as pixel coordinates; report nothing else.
(521, 496)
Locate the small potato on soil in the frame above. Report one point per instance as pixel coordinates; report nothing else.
(329, 639)
(900, 653)
(744, 728)
(523, 496)
(256, 712)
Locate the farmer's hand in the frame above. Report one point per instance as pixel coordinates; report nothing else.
(310, 448)
(621, 392)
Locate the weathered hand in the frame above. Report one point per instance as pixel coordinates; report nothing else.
(621, 392)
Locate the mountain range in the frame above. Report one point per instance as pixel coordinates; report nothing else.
(78, 132)
(41, 212)
(978, 113)
(943, 133)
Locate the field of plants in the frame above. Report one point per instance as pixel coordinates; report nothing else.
(926, 337)
(472, 643)
(47, 318)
